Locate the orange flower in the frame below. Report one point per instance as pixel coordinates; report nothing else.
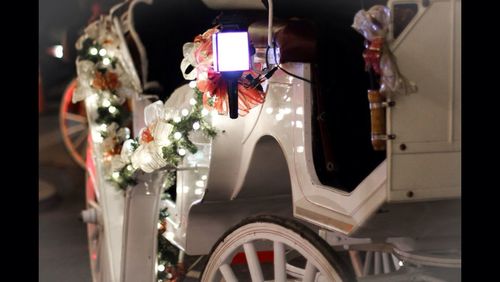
(146, 136)
(106, 81)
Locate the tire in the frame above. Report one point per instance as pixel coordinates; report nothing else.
(322, 263)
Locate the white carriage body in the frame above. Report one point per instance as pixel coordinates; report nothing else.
(259, 161)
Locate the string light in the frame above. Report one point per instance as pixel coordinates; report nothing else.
(161, 267)
(196, 125)
(200, 183)
(204, 112)
(181, 152)
(112, 109)
(106, 103)
(192, 101)
(93, 51)
(116, 174)
(102, 52)
(192, 84)
(177, 135)
(185, 112)
(106, 61)
(177, 119)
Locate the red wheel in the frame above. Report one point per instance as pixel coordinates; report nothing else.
(74, 125)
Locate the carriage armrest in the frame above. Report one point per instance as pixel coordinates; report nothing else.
(296, 39)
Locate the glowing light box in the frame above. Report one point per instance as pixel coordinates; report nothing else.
(231, 51)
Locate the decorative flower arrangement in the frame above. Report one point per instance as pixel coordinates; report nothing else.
(103, 78)
(374, 26)
(197, 66)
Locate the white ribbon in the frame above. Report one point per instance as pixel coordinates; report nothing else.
(189, 60)
(148, 157)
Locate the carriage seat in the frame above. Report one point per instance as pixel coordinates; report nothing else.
(296, 39)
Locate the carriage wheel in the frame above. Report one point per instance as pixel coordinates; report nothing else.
(315, 261)
(73, 124)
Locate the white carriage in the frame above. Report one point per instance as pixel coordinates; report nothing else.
(258, 187)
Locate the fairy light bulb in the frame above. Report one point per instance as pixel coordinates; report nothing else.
(185, 112)
(196, 125)
(97, 138)
(116, 175)
(204, 177)
(181, 151)
(177, 135)
(103, 127)
(192, 84)
(200, 183)
(161, 268)
(112, 109)
(106, 103)
(129, 168)
(204, 112)
(106, 61)
(93, 51)
(177, 119)
(159, 225)
(103, 52)
(192, 101)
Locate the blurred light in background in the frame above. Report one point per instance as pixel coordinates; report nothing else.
(56, 51)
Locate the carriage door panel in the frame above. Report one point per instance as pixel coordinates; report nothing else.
(424, 158)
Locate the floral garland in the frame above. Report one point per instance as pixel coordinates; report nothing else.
(167, 253)
(198, 56)
(104, 82)
(163, 142)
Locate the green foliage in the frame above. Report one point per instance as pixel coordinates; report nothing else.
(126, 177)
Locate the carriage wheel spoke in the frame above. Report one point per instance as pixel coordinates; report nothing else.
(76, 128)
(377, 265)
(80, 140)
(279, 262)
(75, 117)
(368, 262)
(385, 262)
(356, 263)
(395, 261)
(310, 272)
(228, 273)
(294, 271)
(253, 263)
